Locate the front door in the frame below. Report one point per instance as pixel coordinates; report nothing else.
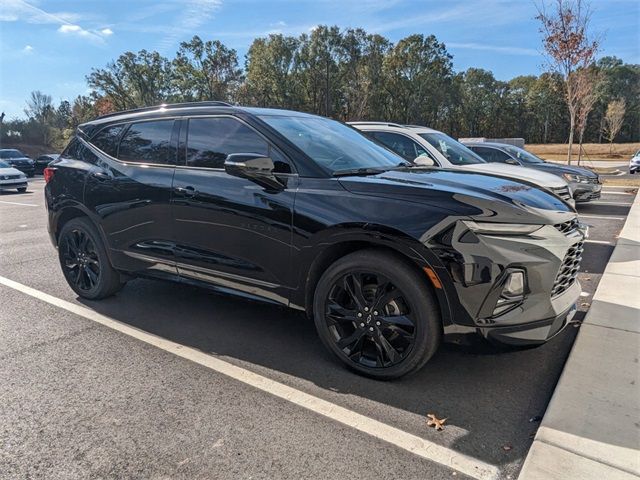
(231, 231)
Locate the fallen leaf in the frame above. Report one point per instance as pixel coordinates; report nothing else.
(507, 447)
(535, 418)
(585, 304)
(435, 422)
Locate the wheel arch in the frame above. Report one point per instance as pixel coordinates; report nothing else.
(334, 251)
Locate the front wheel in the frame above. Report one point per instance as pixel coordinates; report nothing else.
(84, 261)
(22, 189)
(376, 313)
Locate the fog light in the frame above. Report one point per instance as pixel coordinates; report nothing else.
(514, 286)
(512, 293)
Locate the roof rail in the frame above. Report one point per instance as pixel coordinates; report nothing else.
(416, 126)
(208, 103)
(388, 124)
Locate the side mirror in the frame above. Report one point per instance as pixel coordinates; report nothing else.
(424, 161)
(254, 167)
(511, 161)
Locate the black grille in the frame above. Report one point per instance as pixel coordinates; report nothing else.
(593, 180)
(568, 227)
(568, 270)
(563, 192)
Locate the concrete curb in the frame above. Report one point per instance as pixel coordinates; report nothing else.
(591, 429)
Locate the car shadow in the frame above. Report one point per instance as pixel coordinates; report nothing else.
(489, 393)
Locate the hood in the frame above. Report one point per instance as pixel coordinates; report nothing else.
(544, 179)
(10, 171)
(20, 160)
(462, 193)
(558, 169)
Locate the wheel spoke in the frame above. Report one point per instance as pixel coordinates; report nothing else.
(385, 296)
(385, 349)
(91, 276)
(352, 340)
(352, 284)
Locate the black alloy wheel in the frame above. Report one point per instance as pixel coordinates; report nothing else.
(84, 261)
(377, 314)
(370, 320)
(80, 260)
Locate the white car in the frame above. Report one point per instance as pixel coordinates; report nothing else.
(634, 163)
(11, 178)
(425, 146)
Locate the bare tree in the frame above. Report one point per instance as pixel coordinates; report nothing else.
(569, 46)
(613, 120)
(40, 109)
(584, 85)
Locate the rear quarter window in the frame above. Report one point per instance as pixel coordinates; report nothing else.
(107, 139)
(148, 142)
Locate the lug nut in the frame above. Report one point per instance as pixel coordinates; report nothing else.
(378, 323)
(375, 312)
(371, 329)
(366, 309)
(361, 325)
(359, 314)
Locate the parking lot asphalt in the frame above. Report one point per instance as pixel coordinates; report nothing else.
(82, 400)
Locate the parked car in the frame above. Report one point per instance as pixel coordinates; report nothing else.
(305, 212)
(425, 146)
(11, 178)
(584, 183)
(43, 160)
(634, 163)
(18, 160)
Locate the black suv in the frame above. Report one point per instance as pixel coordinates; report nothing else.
(307, 212)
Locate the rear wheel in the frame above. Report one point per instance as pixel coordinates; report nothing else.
(377, 315)
(84, 261)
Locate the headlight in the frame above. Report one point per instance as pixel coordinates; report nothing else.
(2, 177)
(570, 177)
(488, 228)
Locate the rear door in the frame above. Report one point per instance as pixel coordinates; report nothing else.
(129, 189)
(231, 231)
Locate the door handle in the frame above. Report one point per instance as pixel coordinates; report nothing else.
(101, 175)
(188, 191)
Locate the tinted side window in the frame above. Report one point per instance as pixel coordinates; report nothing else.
(148, 142)
(491, 154)
(77, 151)
(211, 140)
(107, 139)
(400, 144)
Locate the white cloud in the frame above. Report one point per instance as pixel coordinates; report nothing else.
(20, 10)
(28, 49)
(194, 14)
(106, 32)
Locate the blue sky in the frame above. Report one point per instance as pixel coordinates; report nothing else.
(50, 45)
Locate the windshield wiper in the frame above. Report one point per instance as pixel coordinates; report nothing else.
(359, 171)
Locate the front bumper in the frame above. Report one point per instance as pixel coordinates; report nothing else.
(583, 192)
(550, 258)
(634, 167)
(12, 184)
(28, 170)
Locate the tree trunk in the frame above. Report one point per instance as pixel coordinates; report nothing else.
(571, 129)
(580, 147)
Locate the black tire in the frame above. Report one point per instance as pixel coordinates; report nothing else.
(413, 340)
(22, 189)
(84, 261)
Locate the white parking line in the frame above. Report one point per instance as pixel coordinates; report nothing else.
(601, 216)
(418, 446)
(617, 193)
(18, 203)
(600, 242)
(610, 203)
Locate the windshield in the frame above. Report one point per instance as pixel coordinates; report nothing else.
(523, 155)
(4, 164)
(11, 154)
(332, 144)
(452, 150)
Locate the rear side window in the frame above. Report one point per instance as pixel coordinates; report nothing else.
(491, 154)
(211, 140)
(400, 144)
(148, 142)
(76, 150)
(107, 139)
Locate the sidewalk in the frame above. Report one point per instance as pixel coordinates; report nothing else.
(591, 429)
